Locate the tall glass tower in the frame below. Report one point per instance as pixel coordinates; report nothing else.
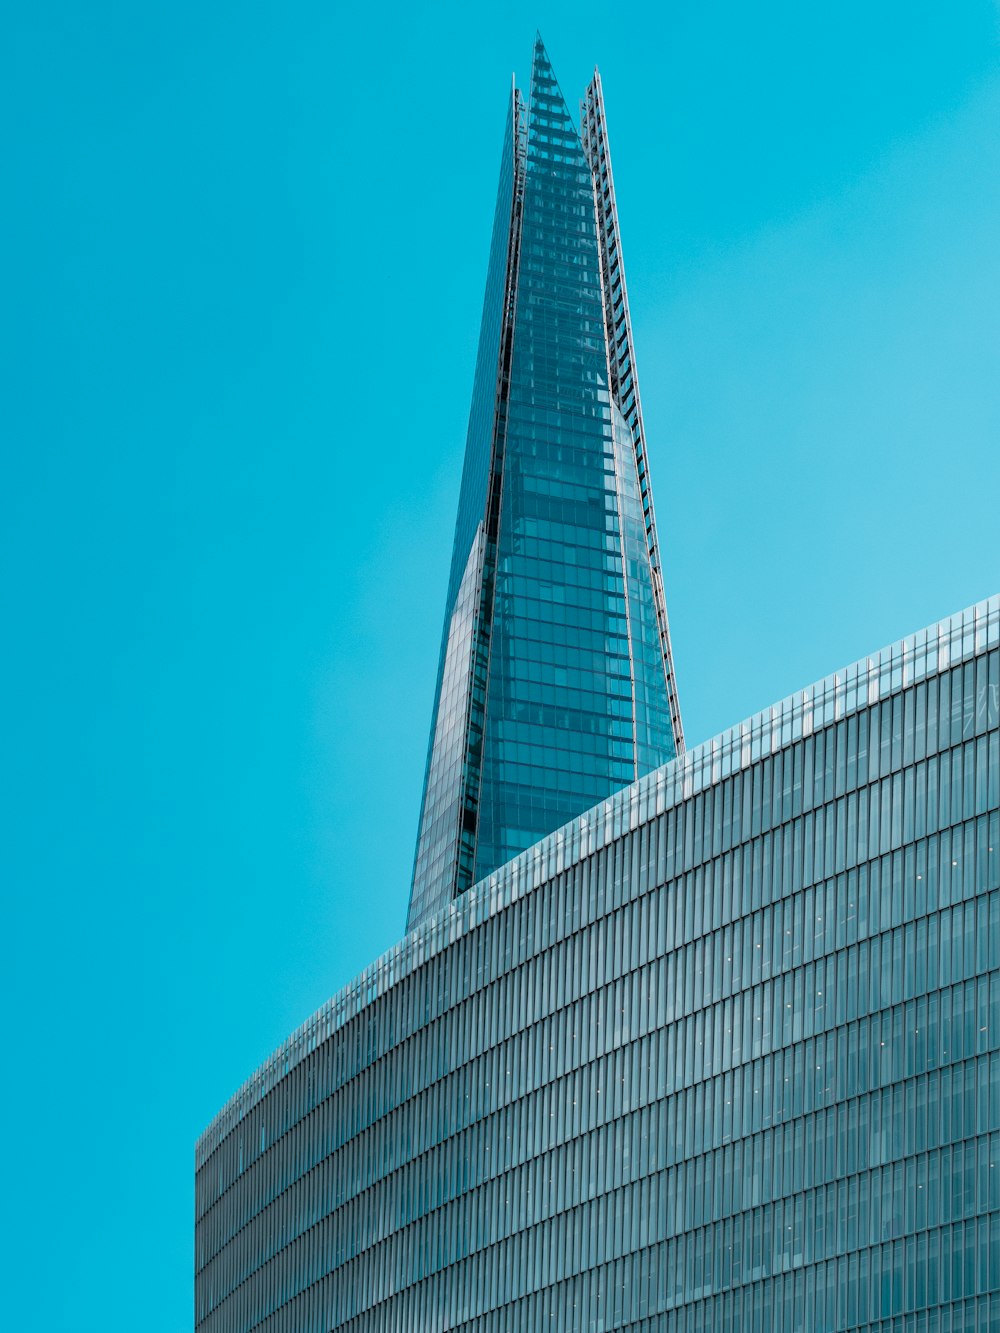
(556, 684)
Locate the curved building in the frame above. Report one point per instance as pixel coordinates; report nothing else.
(722, 1053)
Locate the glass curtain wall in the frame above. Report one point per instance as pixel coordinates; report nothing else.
(721, 1054)
(555, 688)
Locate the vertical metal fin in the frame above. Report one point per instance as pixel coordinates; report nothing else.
(621, 356)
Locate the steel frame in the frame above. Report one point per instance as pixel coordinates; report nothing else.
(624, 382)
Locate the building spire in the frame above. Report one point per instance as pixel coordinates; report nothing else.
(554, 686)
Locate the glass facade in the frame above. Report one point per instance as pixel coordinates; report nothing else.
(555, 685)
(722, 1053)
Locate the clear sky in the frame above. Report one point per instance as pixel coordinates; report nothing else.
(244, 250)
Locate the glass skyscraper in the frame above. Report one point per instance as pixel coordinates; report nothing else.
(706, 1045)
(556, 685)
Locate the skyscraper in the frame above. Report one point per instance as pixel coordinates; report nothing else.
(556, 683)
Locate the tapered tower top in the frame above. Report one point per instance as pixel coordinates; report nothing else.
(555, 685)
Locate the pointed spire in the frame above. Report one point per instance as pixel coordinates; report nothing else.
(532, 722)
(542, 74)
(552, 130)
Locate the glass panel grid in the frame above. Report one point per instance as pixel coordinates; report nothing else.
(555, 687)
(724, 1053)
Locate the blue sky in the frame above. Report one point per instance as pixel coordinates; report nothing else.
(244, 249)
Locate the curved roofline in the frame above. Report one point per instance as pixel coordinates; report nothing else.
(916, 657)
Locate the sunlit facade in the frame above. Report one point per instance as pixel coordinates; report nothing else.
(556, 683)
(722, 1053)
